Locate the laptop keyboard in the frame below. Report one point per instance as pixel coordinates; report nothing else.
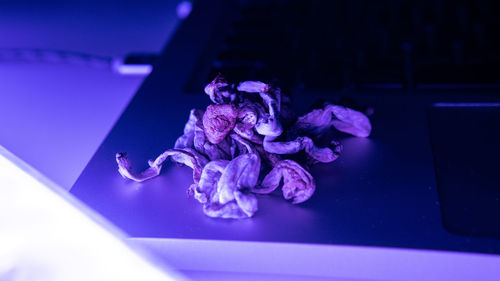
(332, 45)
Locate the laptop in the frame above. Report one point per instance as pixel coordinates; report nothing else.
(425, 181)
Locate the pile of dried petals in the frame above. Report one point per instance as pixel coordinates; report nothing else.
(244, 143)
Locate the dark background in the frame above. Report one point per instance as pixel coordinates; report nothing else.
(337, 45)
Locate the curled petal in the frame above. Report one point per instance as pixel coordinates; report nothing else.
(248, 114)
(221, 184)
(244, 130)
(324, 155)
(298, 184)
(242, 172)
(222, 150)
(342, 118)
(190, 158)
(246, 202)
(187, 139)
(220, 91)
(269, 123)
(270, 158)
(270, 182)
(125, 169)
(250, 148)
(244, 206)
(253, 87)
(247, 118)
(187, 157)
(351, 121)
(265, 90)
(199, 138)
(248, 133)
(207, 186)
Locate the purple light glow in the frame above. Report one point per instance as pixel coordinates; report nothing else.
(42, 227)
(184, 9)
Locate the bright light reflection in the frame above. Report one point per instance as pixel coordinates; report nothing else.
(45, 237)
(141, 69)
(184, 9)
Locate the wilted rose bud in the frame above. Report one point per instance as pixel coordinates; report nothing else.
(218, 121)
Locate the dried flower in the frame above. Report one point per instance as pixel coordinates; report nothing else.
(231, 143)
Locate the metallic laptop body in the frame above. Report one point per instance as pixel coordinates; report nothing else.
(397, 188)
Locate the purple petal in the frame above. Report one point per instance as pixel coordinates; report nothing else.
(270, 182)
(187, 157)
(324, 155)
(269, 123)
(242, 172)
(247, 202)
(342, 118)
(230, 210)
(350, 121)
(298, 184)
(125, 169)
(207, 186)
(253, 87)
(220, 91)
(187, 139)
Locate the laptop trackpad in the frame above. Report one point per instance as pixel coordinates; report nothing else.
(465, 141)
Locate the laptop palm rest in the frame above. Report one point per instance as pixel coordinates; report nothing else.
(465, 142)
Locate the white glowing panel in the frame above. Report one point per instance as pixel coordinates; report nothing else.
(44, 236)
